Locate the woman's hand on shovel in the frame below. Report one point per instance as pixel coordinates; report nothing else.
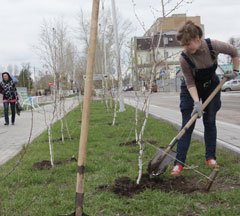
(197, 108)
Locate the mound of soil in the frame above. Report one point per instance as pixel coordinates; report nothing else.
(124, 186)
(46, 164)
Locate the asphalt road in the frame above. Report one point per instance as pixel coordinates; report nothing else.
(229, 112)
(165, 105)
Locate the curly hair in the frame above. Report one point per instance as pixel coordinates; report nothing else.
(188, 32)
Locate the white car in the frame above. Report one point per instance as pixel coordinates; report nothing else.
(232, 85)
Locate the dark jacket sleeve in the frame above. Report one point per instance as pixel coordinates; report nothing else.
(1, 89)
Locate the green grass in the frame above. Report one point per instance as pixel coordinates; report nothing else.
(1, 112)
(30, 192)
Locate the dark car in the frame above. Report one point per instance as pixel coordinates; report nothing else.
(129, 89)
(154, 88)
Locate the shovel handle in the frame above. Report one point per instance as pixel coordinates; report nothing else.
(161, 155)
(204, 105)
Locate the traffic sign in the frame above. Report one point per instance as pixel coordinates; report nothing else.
(162, 73)
(50, 84)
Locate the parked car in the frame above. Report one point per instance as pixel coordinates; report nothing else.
(232, 85)
(154, 88)
(130, 88)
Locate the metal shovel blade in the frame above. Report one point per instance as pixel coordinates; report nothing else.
(160, 162)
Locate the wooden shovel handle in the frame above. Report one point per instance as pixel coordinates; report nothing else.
(204, 105)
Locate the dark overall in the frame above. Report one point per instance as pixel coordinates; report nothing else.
(206, 80)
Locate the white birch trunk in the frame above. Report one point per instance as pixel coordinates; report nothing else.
(115, 110)
(141, 143)
(50, 145)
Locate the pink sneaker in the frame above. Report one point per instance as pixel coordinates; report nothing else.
(211, 163)
(177, 169)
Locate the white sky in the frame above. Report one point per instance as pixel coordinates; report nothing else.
(20, 21)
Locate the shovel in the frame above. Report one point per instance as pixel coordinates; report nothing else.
(163, 158)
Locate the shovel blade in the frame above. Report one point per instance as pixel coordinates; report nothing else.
(160, 162)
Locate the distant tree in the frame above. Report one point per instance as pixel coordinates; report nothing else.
(24, 78)
(44, 79)
(57, 52)
(236, 43)
(127, 79)
(10, 68)
(15, 70)
(1, 69)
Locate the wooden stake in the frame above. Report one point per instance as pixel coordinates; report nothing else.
(212, 177)
(86, 107)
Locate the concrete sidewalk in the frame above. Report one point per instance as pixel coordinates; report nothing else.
(228, 134)
(14, 137)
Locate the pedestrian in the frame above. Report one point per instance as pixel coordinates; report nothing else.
(9, 92)
(199, 63)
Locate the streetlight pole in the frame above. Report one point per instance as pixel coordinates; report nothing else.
(54, 64)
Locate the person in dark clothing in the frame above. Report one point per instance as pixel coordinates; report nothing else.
(199, 63)
(9, 92)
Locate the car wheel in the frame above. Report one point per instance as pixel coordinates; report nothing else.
(227, 89)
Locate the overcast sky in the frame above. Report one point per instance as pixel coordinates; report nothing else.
(20, 21)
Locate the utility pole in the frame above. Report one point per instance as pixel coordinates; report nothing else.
(55, 67)
(104, 65)
(120, 87)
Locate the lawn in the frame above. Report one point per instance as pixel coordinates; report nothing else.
(28, 191)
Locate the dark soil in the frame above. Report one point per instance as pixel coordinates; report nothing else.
(46, 164)
(60, 139)
(129, 143)
(124, 186)
(134, 143)
(73, 214)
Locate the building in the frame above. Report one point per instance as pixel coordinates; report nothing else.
(168, 51)
(169, 48)
(172, 23)
(161, 39)
(159, 46)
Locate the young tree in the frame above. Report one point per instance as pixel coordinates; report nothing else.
(43, 80)
(105, 53)
(10, 68)
(167, 8)
(57, 54)
(24, 78)
(235, 42)
(15, 70)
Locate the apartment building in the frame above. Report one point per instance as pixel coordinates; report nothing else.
(160, 40)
